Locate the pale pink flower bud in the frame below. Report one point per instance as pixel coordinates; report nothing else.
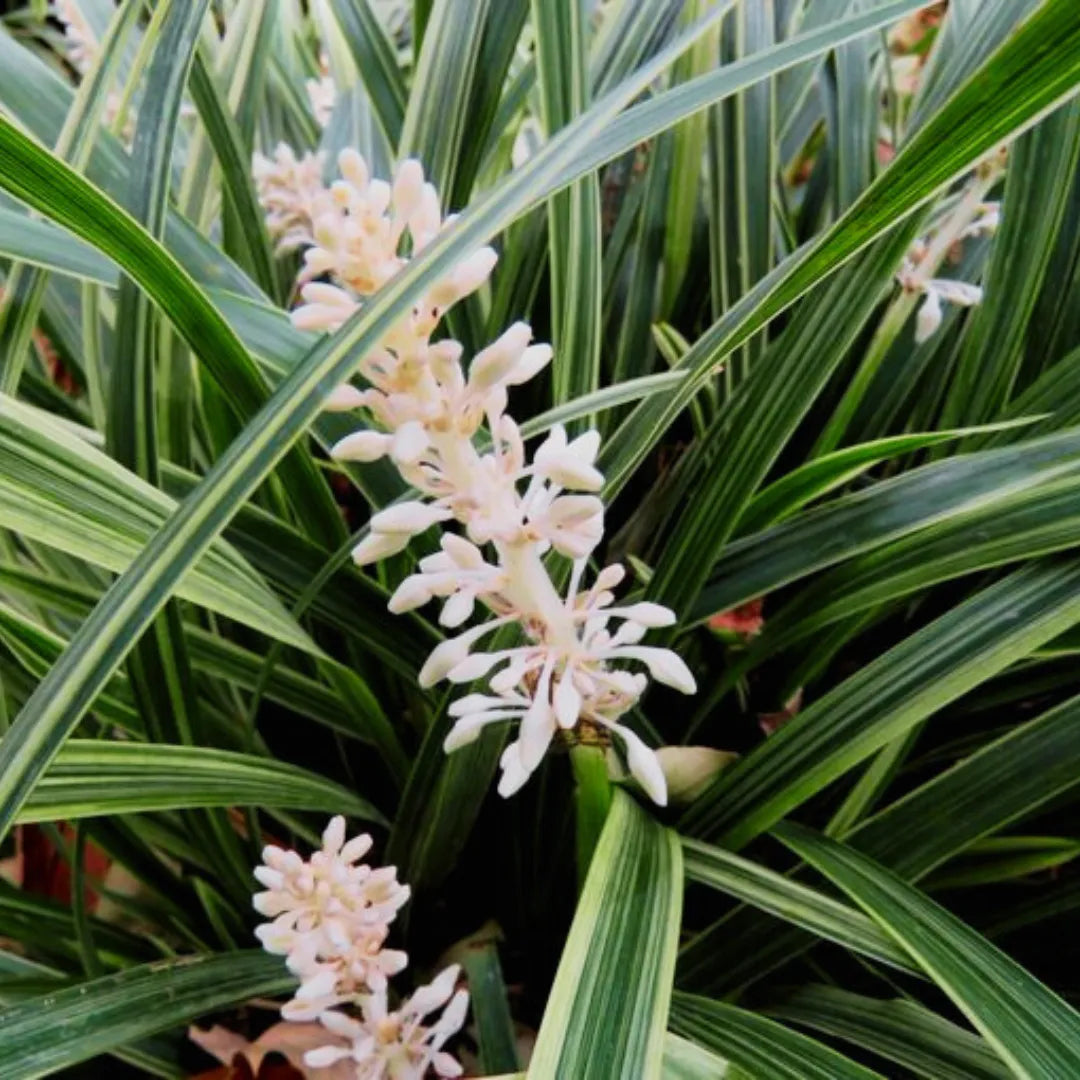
(361, 446)
(928, 318)
(343, 398)
(644, 765)
(410, 594)
(409, 517)
(354, 168)
(408, 188)
(376, 546)
(492, 365)
(467, 277)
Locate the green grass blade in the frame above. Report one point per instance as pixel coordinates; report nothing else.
(1032, 1029)
(925, 671)
(24, 287)
(235, 161)
(760, 1047)
(573, 215)
(445, 73)
(376, 63)
(787, 899)
(627, 919)
(94, 509)
(102, 1015)
(92, 778)
(490, 1009)
(684, 1060)
(903, 1031)
(885, 512)
(1007, 779)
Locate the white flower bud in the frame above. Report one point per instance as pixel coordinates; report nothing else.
(492, 365)
(567, 702)
(928, 318)
(409, 595)
(644, 765)
(689, 770)
(647, 614)
(467, 277)
(361, 446)
(376, 546)
(533, 361)
(514, 775)
(457, 609)
(664, 665)
(343, 398)
(410, 442)
(409, 517)
(408, 188)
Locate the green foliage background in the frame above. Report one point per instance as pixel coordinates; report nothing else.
(707, 224)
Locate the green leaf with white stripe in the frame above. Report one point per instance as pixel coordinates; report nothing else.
(91, 778)
(607, 1010)
(760, 1047)
(1033, 1030)
(100, 1016)
(789, 900)
(93, 508)
(902, 1031)
(925, 671)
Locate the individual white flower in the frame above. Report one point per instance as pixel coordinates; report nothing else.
(936, 290)
(987, 223)
(929, 317)
(459, 574)
(398, 1044)
(290, 190)
(569, 464)
(330, 916)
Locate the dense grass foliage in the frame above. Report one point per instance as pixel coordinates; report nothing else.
(811, 270)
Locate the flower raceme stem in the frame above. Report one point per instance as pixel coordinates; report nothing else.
(330, 918)
(430, 410)
(970, 217)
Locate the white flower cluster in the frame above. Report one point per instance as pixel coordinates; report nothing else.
(431, 414)
(913, 275)
(330, 919)
(290, 190)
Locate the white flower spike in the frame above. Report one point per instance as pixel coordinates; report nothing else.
(569, 675)
(332, 915)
